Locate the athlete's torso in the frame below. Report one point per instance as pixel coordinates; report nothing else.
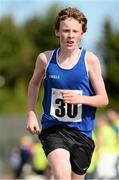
(80, 117)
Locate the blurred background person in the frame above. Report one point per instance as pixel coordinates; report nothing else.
(106, 149)
(25, 152)
(39, 161)
(113, 117)
(15, 161)
(91, 173)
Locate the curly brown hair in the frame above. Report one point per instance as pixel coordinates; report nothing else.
(74, 13)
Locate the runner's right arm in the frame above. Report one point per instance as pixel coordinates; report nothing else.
(33, 92)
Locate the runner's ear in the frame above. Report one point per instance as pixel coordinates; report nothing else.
(57, 34)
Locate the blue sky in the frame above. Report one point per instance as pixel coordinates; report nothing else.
(95, 10)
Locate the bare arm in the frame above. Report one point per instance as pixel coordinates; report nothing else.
(98, 100)
(33, 92)
(101, 98)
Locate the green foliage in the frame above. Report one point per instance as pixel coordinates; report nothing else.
(13, 101)
(41, 30)
(19, 48)
(15, 52)
(109, 47)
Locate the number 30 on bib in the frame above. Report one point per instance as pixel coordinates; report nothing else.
(63, 111)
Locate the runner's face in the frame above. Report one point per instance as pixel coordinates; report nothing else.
(70, 33)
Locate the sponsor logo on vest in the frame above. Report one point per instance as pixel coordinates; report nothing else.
(53, 76)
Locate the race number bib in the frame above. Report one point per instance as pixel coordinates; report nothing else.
(63, 111)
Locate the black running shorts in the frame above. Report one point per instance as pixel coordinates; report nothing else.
(80, 146)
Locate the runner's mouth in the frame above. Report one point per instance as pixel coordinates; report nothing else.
(70, 42)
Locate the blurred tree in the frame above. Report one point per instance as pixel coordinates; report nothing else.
(109, 47)
(16, 52)
(40, 30)
(20, 46)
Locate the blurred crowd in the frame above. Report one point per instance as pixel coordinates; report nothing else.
(105, 160)
(29, 157)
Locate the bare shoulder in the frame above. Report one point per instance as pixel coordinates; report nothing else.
(91, 58)
(40, 65)
(92, 61)
(43, 58)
